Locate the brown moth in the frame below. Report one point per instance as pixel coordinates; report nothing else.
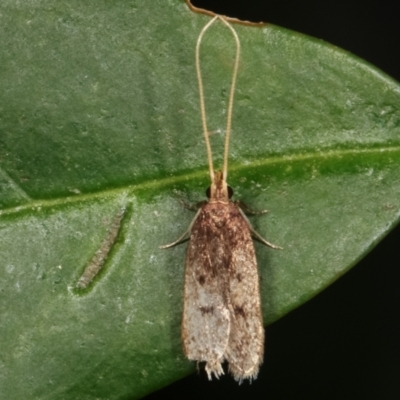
(222, 319)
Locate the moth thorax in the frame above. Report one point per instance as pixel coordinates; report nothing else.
(219, 187)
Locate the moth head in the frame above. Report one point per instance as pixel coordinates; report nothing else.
(219, 189)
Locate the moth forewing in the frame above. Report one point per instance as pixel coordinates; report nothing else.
(246, 342)
(222, 319)
(222, 313)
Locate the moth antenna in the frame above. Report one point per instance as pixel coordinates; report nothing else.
(231, 96)
(201, 94)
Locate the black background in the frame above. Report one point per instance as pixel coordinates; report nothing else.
(343, 344)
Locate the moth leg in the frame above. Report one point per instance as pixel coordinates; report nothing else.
(192, 207)
(181, 239)
(247, 210)
(256, 234)
(262, 240)
(185, 235)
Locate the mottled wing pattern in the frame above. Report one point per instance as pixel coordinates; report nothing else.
(246, 341)
(222, 315)
(206, 318)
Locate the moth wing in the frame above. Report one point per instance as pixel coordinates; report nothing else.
(206, 318)
(246, 341)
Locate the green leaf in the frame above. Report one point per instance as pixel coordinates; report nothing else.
(99, 112)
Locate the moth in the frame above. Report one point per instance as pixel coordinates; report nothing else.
(222, 319)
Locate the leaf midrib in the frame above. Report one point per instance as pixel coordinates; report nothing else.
(327, 155)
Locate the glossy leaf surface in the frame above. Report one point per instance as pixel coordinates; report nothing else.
(99, 111)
